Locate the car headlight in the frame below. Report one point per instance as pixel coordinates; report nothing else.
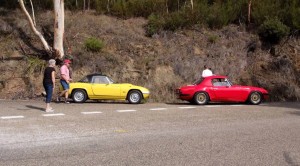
(146, 92)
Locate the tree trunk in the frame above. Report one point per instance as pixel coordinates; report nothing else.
(33, 28)
(59, 26)
(83, 5)
(192, 4)
(107, 6)
(167, 7)
(249, 11)
(89, 4)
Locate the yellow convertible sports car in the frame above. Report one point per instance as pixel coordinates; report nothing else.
(101, 87)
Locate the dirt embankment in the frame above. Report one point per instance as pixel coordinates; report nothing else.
(160, 63)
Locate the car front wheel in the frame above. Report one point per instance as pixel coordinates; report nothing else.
(134, 97)
(201, 98)
(255, 98)
(79, 96)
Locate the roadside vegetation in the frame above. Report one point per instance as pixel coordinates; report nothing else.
(159, 44)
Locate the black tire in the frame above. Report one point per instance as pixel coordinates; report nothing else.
(79, 96)
(134, 97)
(201, 98)
(255, 98)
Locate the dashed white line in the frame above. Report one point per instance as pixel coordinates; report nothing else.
(11, 117)
(157, 109)
(59, 114)
(126, 110)
(95, 112)
(211, 106)
(236, 105)
(186, 107)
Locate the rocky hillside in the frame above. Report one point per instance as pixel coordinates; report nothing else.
(160, 63)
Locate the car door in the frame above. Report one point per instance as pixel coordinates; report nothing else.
(104, 89)
(224, 91)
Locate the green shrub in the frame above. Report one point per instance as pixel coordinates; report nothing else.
(34, 64)
(273, 30)
(213, 38)
(94, 44)
(224, 13)
(155, 24)
(175, 21)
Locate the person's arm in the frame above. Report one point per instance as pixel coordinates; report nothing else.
(53, 78)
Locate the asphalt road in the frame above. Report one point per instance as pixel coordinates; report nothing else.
(149, 134)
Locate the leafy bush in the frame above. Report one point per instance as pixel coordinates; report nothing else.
(222, 14)
(154, 25)
(175, 21)
(34, 64)
(94, 44)
(213, 38)
(273, 30)
(266, 9)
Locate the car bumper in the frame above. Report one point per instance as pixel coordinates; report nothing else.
(266, 96)
(182, 96)
(146, 95)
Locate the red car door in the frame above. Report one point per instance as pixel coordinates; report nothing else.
(224, 91)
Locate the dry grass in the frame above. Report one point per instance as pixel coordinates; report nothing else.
(161, 63)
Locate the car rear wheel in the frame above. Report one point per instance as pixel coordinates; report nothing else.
(255, 98)
(201, 98)
(79, 96)
(134, 97)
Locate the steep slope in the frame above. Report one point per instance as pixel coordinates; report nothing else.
(161, 63)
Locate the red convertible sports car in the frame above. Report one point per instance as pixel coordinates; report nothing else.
(220, 89)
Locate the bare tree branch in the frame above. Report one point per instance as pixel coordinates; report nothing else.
(32, 10)
(33, 28)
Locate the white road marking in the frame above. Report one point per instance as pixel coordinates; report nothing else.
(157, 109)
(237, 105)
(95, 112)
(186, 107)
(126, 110)
(59, 114)
(212, 106)
(11, 117)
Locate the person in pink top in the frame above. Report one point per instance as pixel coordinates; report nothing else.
(65, 79)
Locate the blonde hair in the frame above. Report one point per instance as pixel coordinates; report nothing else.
(52, 62)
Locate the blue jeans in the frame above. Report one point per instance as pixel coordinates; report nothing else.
(49, 91)
(64, 84)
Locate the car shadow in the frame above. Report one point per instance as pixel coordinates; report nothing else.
(214, 103)
(292, 105)
(102, 102)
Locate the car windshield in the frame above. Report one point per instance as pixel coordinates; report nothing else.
(110, 80)
(84, 80)
(198, 81)
(230, 83)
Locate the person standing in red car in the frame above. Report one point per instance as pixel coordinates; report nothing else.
(206, 72)
(65, 79)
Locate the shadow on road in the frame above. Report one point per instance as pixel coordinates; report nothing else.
(34, 107)
(292, 105)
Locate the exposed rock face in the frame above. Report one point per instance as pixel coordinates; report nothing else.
(161, 63)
